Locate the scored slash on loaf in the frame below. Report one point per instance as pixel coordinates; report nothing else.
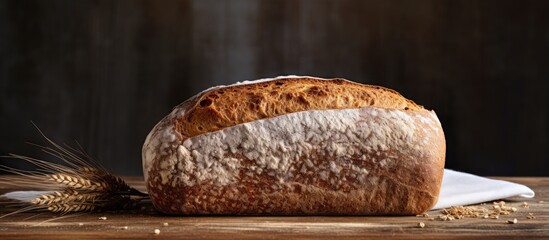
(295, 146)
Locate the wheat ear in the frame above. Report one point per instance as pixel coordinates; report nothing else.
(75, 182)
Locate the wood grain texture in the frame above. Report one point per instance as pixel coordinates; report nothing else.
(104, 72)
(142, 223)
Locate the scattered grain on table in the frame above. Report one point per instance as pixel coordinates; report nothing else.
(512, 221)
(461, 212)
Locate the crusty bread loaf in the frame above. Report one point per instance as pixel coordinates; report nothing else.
(295, 145)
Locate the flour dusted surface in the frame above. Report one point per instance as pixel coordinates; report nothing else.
(273, 144)
(344, 150)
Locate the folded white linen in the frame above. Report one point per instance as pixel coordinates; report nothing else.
(460, 188)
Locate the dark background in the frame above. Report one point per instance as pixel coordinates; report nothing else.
(104, 72)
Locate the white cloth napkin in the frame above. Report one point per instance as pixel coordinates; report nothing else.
(460, 188)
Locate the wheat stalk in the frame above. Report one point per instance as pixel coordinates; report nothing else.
(89, 189)
(81, 185)
(92, 189)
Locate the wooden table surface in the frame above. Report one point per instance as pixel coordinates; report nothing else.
(143, 222)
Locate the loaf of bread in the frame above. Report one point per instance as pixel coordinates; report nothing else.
(295, 146)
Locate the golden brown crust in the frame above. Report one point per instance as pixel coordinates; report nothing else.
(228, 106)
